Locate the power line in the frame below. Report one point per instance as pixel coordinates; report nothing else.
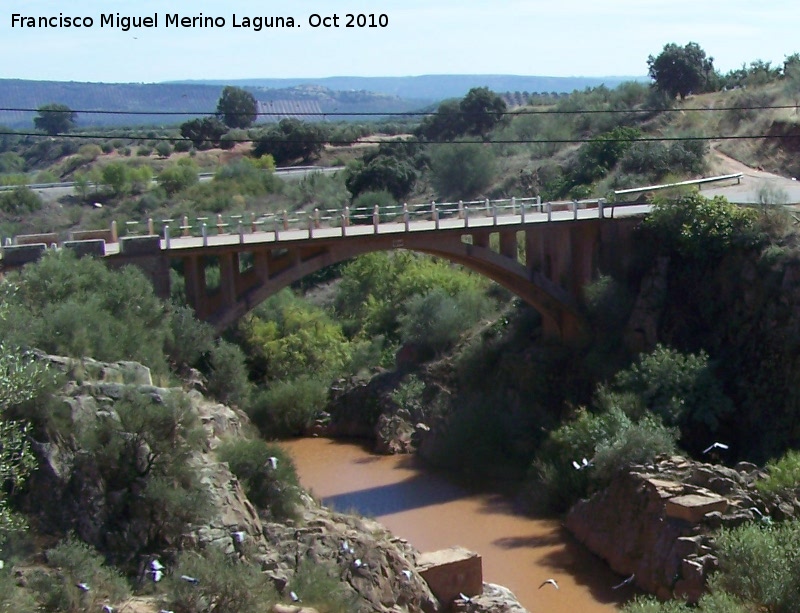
(407, 113)
(416, 141)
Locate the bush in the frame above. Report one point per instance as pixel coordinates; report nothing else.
(701, 228)
(462, 170)
(227, 377)
(783, 474)
(610, 440)
(320, 588)
(79, 307)
(20, 200)
(275, 490)
(435, 321)
(363, 207)
(760, 563)
(76, 563)
(177, 177)
(142, 457)
(190, 338)
(681, 389)
(289, 408)
(224, 585)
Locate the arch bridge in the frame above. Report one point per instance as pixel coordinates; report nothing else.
(543, 252)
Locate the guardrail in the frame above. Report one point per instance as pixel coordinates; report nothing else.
(636, 190)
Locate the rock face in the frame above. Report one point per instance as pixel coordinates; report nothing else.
(377, 570)
(656, 521)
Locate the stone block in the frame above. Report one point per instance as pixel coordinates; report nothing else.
(17, 255)
(49, 238)
(450, 572)
(87, 247)
(140, 245)
(693, 507)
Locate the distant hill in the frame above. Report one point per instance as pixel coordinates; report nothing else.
(434, 88)
(179, 98)
(286, 96)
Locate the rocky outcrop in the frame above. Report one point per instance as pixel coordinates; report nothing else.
(377, 570)
(656, 522)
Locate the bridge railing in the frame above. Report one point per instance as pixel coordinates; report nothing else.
(310, 220)
(400, 217)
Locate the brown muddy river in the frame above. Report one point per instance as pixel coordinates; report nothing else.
(433, 513)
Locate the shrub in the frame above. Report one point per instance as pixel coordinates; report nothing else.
(79, 307)
(14, 597)
(190, 338)
(177, 177)
(701, 228)
(650, 604)
(436, 320)
(288, 408)
(143, 456)
(227, 377)
(224, 585)
(783, 474)
(20, 200)
(363, 207)
(320, 588)
(274, 489)
(761, 564)
(681, 389)
(610, 440)
(462, 170)
(77, 563)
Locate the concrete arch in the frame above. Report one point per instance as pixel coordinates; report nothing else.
(244, 291)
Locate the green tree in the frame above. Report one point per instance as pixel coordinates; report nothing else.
(445, 124)
(236, 107)
(481, 110)
(680, 71)
(290, 140)
(55, 119)
(462, 170)
(204, 133)
(117, 176)
(383, 172)
(177, 177)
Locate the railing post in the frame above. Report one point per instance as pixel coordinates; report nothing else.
(241, 232)
(461, 209)
(435, 215)
(277, 228)
(466, 216)
(513, 205)
(406, 217)
(310, 226)
(344, 223)
(285, 220)
(347, 216)
(114, 232)
(522, 211)
(166, 236)
(253, 227)
(600, 203)
(220, 224)
(575, 209)
(376, 219)
(204, 230)
(316, 218)
(150, 229)
(487, 206)
(549, 207)
(539, 203)
(185, 225)
(494, 214)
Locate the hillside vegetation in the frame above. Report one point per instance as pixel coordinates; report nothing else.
(697, 344)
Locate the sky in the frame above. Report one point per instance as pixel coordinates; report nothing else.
(553, 38)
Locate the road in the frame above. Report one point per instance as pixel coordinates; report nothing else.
(51, 192)
(755, 184)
